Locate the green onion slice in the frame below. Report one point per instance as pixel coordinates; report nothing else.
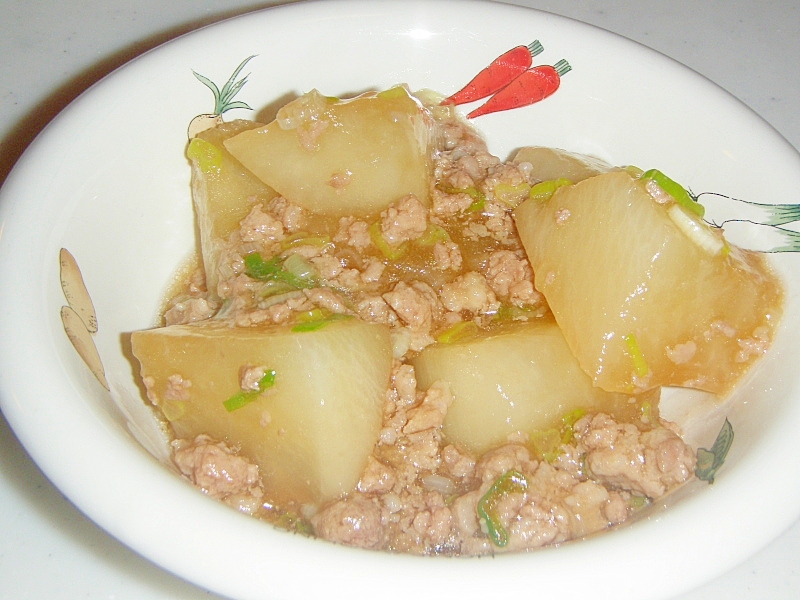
(567, 424)
(511, 194)
(318, 321)
(544, 190)
(389, 251)
(676, 190)
(433, 235)
(635, 352)
(511, 482)
(207, 156)
(243, 398)
(293, 270)
(478, 197)
(458, 332)
(546, 443)
(305, 239)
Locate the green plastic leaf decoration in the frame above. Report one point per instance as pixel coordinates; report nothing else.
(710, 461)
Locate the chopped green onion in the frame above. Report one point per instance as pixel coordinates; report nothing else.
(676, 190)
(318, 323)
(256, 267)
(295, 523)
(636, 501)
(477, 205)
(567, 423)
(510, 482)
(635, 352)
(301, 271)
(697, 231)
(544, 190)
(274, 288)
(315, 314)
(397, 91)
(433, 234)
(207, 156)
(633, 171)
(647, 413)
(511, 312)
(389, 251)
(511, 194)
(546, 443)
(460, 331)
(478, 197)
(243, 398)
(294, 271)
(304, 239)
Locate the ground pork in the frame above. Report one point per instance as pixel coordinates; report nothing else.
(219, 472)
(469, 292)
(353, 521)
(403, 221)
(416, 304)
(448, 203)
(447, 255)
(619, 454)
(259, 226)
(499, 223)
(177, 388)
(376, 309)
(190, 310)
(293, 217)
(328, 299)
(510, 277)
(353, 232)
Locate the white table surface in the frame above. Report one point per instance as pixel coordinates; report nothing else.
(53, 50)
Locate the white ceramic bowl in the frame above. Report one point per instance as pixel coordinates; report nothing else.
(108, 180)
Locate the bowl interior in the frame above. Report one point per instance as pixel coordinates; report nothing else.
(108, 180)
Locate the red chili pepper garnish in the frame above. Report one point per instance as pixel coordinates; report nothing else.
(531, 86)
(498, 74)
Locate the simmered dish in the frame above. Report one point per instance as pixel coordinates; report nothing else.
(397, 341)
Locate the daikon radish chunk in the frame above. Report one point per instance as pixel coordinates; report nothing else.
(310, 431)
(224, 192)
(342, 157)
(552, 163)
(520, 378)
(646, 293)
